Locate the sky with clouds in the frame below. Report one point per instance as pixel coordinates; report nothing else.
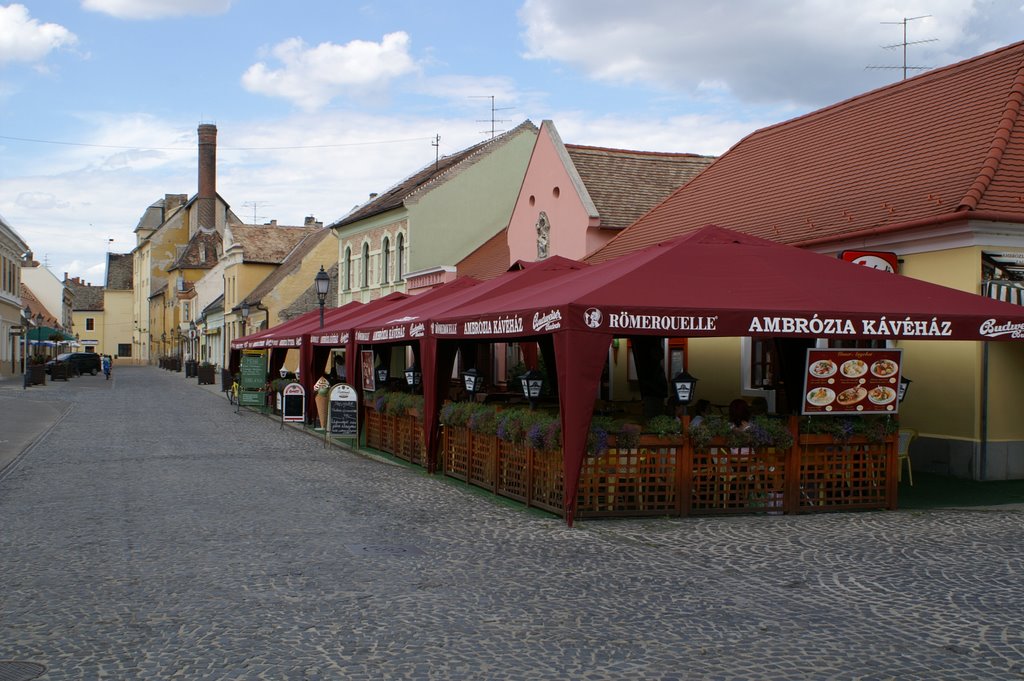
(320, 102)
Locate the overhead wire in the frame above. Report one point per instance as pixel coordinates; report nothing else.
(220, 148)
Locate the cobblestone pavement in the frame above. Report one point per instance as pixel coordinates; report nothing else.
(155, 534)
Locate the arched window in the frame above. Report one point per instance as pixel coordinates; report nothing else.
(385, 261)
(346, 282)
(400, 257)
(366, 265)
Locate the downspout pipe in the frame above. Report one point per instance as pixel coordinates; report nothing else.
(983, 446)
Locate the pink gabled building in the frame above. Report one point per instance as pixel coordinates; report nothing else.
(575, 198)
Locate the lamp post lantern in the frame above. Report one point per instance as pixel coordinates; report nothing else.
(904, 387)
(283, 371)
(245, 315)
(533, 384)
(383, 374)
(323, 283)
(473, 380)
(413, 377)
(684, 384)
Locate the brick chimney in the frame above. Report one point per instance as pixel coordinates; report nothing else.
(207, 196)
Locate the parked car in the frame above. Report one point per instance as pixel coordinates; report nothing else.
(84, 362)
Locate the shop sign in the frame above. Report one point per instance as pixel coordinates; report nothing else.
(851, 381)
(838, 326)
(439, 329)
(632, 321)
(498, 326)
(876, 260)
(343, 414)
(293, 403)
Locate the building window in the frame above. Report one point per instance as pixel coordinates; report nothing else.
(90, 324)
(347, 280)
(124, 349)
(400, 257)
(385, 261)
(366, 266)
(762, 363)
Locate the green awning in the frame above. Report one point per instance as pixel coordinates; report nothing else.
(42, 333)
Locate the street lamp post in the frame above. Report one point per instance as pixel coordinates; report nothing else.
(245, 315)
(323, 283)
(27, 315)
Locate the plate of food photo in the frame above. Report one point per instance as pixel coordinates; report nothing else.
(852, 395)
(854, 368)
(882, 395)
(884, 368)
(819, 397)
(823, 368)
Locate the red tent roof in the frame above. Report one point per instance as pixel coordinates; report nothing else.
(944, 145)
(717, 282)
(411, 321)
(289, 334)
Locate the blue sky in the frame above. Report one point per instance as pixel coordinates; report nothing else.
(320, 102)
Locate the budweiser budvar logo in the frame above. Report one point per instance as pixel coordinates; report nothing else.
(417, 330)
(994, 329)
(547, 322)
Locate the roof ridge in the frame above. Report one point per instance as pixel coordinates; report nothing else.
(485, 147)
(1007, 122)
(913, 81)
(673, 154)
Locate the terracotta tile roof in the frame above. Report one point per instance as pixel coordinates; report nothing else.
(290, 264)
(430, 176)
(119, 271)
(269, 244)
(626, 184)
(488, 261)
(201, 252)
(939, 146)
(87, 298)
(29, 300)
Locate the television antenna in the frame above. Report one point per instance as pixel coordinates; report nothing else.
(254, 205)
(904, 45)
(493, 110)
(436, 143)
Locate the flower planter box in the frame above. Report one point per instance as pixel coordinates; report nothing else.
(206, 374)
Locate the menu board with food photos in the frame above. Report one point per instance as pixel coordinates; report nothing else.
(851, 381)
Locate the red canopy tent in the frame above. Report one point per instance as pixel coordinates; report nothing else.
(410, 325)
(714, 282)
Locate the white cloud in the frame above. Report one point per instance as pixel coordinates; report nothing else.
(311, 76)
(39, 201)
(23, 38)
(707, 135)
(157, 9)
(804, 52)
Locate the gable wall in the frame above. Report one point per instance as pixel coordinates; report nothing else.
(454, 218)
(566, 213)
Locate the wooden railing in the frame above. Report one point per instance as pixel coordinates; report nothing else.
(400, 435)
(668, 476)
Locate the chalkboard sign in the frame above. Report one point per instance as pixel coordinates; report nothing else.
(344, 411)
(294, 405)
(252, 370)
(250, 398)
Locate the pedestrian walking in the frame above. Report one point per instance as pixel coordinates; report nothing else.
(105, 363)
